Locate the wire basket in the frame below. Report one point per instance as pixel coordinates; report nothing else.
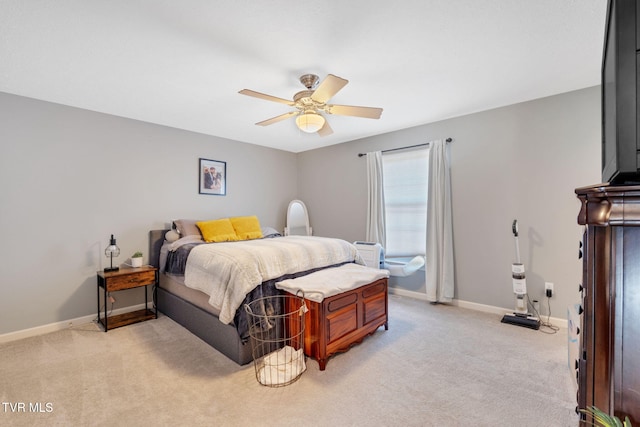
(276, 331)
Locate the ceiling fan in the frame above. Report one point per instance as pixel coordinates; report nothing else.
(311, 102)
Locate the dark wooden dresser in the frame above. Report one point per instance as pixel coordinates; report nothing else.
(609, 362)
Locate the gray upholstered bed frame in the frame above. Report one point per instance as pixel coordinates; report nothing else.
(201, 323)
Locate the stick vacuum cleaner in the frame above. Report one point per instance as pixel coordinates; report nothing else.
(520, 316)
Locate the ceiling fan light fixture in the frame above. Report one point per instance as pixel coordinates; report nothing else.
(310, 122)
(309, 103)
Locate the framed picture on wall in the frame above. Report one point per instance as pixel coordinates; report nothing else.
(213, 177)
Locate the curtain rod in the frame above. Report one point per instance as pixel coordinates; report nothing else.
(404, 148)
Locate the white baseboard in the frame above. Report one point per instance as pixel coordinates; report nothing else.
(561, 323)
(406, 293)
(58, 326)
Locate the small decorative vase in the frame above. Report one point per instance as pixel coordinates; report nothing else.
(136, 262)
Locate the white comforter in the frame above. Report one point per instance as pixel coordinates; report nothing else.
(227, 272)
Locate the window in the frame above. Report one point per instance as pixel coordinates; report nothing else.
(405, 194)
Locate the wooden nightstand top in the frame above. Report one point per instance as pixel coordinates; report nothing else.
(125, 270)
(127, 278)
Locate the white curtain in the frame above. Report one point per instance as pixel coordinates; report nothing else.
(375, 199)
(440, 275)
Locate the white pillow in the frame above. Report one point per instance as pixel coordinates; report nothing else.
(171, 236)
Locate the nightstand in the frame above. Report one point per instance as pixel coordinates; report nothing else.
(126, 278)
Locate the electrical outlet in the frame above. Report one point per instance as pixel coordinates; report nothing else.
(548, 289)
(111, 299)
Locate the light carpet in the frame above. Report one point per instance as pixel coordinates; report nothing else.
(437, 365)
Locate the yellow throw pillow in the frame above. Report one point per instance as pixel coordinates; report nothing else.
(217, 230)
(247, 227)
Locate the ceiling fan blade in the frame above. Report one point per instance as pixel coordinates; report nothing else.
(277, 118)
(329, 87)
(325, 129)
(352, 110)
(265, 96)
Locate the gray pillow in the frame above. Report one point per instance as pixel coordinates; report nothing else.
(187, 227)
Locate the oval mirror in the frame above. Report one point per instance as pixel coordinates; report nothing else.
(297, 220)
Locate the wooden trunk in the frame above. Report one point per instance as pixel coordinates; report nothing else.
(340, 321)
(609, 361)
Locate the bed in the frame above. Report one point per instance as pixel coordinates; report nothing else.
(222, 324)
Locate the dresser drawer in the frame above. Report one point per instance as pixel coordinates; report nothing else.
(133, 280)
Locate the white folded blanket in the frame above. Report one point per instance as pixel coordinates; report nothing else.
(282, 366)
(404, 270)
(332, 281)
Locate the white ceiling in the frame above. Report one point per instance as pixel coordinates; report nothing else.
(182, 63)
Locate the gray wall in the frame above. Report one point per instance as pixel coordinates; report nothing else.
(72, 177)
(517, 162)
